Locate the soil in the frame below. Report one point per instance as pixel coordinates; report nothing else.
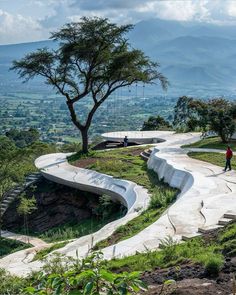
(191, 279)
(84, 163)
(193, 287)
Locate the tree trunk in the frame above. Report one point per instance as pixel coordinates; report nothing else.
(84, 134)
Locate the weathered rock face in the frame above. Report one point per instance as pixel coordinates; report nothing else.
(56, 205)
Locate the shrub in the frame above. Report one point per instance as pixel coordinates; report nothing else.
(9, 284)
(169, 249)
(213, 265)
(87, 276)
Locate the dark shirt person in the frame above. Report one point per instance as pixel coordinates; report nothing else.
(228, 157)
(125, 141)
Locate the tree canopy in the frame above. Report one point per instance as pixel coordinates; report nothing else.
(93, 60)
(156, 123)
(216, 114)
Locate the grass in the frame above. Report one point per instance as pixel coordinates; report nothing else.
(75, 230)
(212, 143)
(40, 255)
(209, 252)
(8, 246)
(127, 164)
(206, 250)
(173, 255)
(213, 158)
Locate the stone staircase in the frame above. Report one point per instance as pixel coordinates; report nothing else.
(227, 218)
(146, 154)
(11, 195)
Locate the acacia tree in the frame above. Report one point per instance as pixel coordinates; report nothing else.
(93, 60)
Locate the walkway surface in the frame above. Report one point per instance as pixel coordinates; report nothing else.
(206, 195)
(36, 242)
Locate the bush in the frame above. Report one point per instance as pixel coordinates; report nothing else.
(10, 285)
(161, 197)
(63, 275)
(169, 249)
(213, 265)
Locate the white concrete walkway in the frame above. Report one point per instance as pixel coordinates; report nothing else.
(206, 195)
(36, 242)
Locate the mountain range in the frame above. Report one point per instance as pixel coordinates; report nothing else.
(191, 55)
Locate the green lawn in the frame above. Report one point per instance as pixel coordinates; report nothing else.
(213, 143)
(127, 164)
(8, 246)
(213, 158)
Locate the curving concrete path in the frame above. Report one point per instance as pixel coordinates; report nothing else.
(206, 195)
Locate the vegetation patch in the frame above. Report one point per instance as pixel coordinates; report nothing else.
(61, 213)
(8, 246)
(212, 143)
(127, 164)
(73, 230)
(213, 158)
(201, 257)
(40, 255)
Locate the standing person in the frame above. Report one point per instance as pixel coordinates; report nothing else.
(228, 157)
(125, 141)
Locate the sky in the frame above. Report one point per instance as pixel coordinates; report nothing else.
(33, 20)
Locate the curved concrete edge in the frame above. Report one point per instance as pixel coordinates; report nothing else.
(143, 137)
(199, 203)
(177, 178)
(56, 168)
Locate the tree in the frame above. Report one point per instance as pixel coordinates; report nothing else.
(26, 207)
(23, 138)
(93, 60)
(221, 114)
(217, 114)
(190, 113)
(156, 123)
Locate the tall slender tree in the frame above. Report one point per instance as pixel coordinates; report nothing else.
(93, 60)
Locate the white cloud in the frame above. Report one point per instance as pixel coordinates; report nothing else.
(17, 28)
(28, 20)
(231, 8)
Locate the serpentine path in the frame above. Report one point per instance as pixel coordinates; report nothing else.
(206, 195)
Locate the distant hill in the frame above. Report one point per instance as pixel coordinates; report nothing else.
(189, 53)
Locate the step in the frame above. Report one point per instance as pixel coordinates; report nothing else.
(31, 178)
(190, 236)
(6, 201)
(144, 157)
(230, 215)
(225, 221)
(146, 153)
(17, 191)
(12, 197)
(209, 229)
(37, 174)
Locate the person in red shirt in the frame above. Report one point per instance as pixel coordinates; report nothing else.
(228, 157)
